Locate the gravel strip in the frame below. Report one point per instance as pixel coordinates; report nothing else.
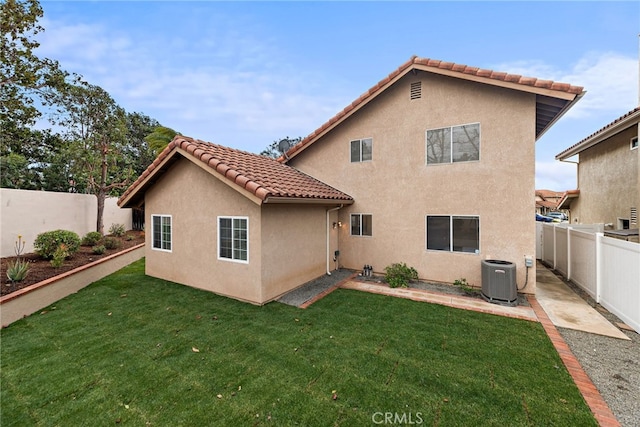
(612, 364)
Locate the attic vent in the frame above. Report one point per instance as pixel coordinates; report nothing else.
(416, 90)
(634, 216)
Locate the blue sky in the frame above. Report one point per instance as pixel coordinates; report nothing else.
(244, 74)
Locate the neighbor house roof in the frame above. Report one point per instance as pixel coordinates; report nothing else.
(260, 178)
(567, 198)
(549, 194)
(553, 99)
(618, 125)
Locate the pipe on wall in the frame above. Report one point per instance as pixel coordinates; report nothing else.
(328, 235)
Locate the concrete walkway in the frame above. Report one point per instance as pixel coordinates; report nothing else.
(568, 310)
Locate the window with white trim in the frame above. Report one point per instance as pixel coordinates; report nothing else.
(361, 224)
(453, 233)
(361, 150)
(453, 144)
(634, 143)
(233, 238)
(161, 232)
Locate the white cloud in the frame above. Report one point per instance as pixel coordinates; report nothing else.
(555, 175)
(244, 89)
(610, 79)
(611, 82)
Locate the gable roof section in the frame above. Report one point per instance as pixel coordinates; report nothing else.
(553, 99)
(618, 125)
(260, 178)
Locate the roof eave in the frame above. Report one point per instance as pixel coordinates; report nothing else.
(560, 114)
(598, 137)
(136, 197)
(307, 201)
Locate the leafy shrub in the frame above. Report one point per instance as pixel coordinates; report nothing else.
(111, 243)
(99, 250)
(129, 237)
(18, 270)
(465, 286)
(117, 230)
(60, 255)
(91, 238)
(47, 243)
(399, 275)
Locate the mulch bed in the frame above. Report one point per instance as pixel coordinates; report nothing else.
(41, 269)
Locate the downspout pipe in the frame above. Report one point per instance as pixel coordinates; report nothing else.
(328, 235)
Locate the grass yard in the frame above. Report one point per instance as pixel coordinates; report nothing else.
(135, 350)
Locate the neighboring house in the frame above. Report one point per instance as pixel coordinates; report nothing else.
(406, 173)
(608, 175)
(547, 201)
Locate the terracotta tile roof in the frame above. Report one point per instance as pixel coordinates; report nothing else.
(632, 117)
(259, 175)
(547, 204)
(453, 69)
(549, 194)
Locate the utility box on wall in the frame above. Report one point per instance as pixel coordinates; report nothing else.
(499, 282)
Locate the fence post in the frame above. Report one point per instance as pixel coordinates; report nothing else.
(599, 260)
(569, 252)
(555, 247)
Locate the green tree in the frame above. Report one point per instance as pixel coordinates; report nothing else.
(96, 130)
(139, 126)
(160, 138)
(273, 150)
(23, 75)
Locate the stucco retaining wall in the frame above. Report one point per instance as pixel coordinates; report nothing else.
(27, 301)
(29, 213)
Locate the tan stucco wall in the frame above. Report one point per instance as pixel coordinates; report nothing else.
(294, 246)
(29, 213)
(287, 243)
(399, 190)
(194, 199)
(608, 179)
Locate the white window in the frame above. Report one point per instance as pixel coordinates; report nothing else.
(634, 142)
(361, 225)
(233, 238)
(361, 150)
(161, 232)
(453, 233)
(453, 144)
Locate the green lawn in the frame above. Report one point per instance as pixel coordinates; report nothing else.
(134, 350)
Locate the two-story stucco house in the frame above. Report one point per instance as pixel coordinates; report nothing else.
(406, 173)
(608, 175)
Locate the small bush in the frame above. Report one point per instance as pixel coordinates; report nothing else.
(465, 286)
(91, 238)
(47, 243)
(18, 270)
(59, 256)
(399, 275)
(117, 230)
(129, 237)
(111, 243)
(99, 250)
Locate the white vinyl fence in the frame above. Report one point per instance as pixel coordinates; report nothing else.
(28, 213)
(608, 269)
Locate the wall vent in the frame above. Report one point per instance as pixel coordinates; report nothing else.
(416, 90)
(634, 216)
